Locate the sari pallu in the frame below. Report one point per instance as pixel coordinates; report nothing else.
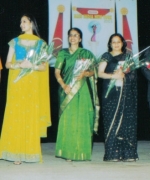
(77, 114)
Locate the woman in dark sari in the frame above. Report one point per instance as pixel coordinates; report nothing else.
(119, 108)
(78, 102)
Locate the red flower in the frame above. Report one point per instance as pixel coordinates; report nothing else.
(148, 66)
(121, 67)
(127, 70)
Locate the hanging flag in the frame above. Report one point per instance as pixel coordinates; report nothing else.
(126, 12)
(58, 31)
(59, 24)
(126, 29)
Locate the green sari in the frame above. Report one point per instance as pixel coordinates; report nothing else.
(78, 109)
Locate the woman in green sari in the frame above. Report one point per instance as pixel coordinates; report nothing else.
(78, 102)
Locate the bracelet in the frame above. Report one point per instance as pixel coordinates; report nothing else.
(110, 76)
(14, 66)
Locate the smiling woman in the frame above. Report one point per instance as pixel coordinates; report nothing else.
(119, 108)
(27, 112)
(77, 102)
(27, 25)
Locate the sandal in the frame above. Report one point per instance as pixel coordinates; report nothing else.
(17, 162)
(129, 160)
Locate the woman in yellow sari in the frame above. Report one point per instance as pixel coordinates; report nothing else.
(27, 112)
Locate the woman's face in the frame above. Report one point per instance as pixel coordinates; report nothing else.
(25, 25)
(116, 43)
(74, 37)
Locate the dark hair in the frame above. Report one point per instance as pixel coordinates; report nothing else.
(123, 49)
(80, 33)
(32, 19)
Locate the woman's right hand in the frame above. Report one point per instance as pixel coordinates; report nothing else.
(66, 88)
(118, 74)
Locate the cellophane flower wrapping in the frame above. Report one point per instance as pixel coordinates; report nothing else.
(80, 66)
(131, 63)
(36, 59)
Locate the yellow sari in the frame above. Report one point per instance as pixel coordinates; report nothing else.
(27, 114)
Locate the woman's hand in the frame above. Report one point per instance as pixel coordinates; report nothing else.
(25, 64)
(82, 75)
(85, 74)
(66, 88)
(118, 74)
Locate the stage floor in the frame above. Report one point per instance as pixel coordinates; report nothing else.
(58, 169)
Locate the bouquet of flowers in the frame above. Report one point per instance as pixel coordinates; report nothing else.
(131, 63)
(36, 59)
(80, 65)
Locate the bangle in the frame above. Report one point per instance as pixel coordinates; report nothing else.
(14, 66)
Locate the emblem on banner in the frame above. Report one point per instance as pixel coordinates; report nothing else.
(94, 27)
(94, 16)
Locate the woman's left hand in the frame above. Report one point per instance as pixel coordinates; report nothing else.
(82, 75)
(25, 64)
(118, 74)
